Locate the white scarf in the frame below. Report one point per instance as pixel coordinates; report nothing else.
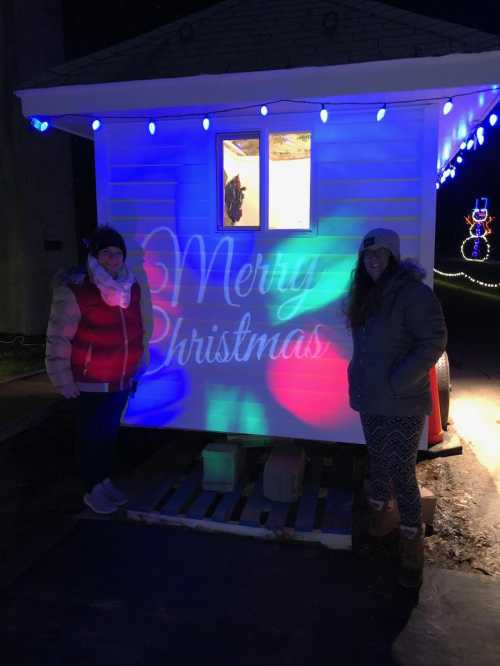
(114, 291)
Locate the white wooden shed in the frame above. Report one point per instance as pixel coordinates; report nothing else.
(244, 227)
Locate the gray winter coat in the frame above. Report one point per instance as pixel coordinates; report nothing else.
(394, 351)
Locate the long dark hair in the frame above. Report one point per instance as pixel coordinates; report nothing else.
(364, 296)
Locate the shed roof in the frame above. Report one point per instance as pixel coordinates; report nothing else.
(258, 35)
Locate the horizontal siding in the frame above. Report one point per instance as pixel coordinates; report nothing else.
(361, 169)
(370, 187)
(152, 190)
(355, 152)
(364, 174)
(143, 208)
(369, 207)
(158, 172)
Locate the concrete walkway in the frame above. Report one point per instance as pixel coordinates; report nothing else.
(113, 593)
(124, 595)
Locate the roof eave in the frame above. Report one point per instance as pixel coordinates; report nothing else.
(366, 78)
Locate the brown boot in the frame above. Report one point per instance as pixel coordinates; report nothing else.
(412, 558)
(383, 518)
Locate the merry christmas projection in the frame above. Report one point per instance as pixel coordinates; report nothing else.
(476, 246)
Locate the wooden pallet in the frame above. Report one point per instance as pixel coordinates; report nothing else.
(323, 513)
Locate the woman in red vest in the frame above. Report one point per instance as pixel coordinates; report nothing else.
(94, 353)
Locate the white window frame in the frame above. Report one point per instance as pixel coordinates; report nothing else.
(263, 135)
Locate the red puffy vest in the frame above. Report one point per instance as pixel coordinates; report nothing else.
(107, 347)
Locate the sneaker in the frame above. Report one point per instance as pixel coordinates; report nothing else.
(113, 493)
(98, 501)
(411, 569)
(383, 518)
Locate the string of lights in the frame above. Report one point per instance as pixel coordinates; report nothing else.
(42, 124)
(488, 285)
(471, 141)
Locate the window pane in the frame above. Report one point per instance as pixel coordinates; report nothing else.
(241, 166)
(290, 180)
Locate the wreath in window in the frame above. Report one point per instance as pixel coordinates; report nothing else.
(234, 194)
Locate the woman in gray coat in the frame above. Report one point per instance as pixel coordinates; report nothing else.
(399, 333)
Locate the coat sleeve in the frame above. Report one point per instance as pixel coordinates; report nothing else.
(425, 323)
(63, 323)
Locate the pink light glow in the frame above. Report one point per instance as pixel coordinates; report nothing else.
(314, 390)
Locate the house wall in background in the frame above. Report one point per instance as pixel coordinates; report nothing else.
(247, 327)
(36, 183)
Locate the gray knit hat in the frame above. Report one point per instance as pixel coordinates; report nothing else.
(381, 238)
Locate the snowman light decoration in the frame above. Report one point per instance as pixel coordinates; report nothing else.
(476, 246)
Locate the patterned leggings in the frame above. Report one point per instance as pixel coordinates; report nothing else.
(392, 450)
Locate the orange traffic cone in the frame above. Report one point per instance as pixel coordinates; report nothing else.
(436, 434)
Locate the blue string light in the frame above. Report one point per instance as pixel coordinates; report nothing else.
(447, 106)
(39, 125)
(381, 113)
(475, 138)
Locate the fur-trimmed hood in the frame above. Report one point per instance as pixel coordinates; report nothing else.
(410, 267)
(409, 275)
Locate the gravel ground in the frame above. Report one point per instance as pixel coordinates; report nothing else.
(467, 519)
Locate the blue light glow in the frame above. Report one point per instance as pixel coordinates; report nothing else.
(446, 151)
(463, 145)
(447, 106)
(381, 113)
(493, 119)
(480, 135)
(462, 131)
(264, 110)
(96, 124)
(39, 125)
(460, 159)
(152, 127)
(206, 123)
(470, 144)
(323, 114)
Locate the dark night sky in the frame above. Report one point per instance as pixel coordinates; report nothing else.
(88, 28)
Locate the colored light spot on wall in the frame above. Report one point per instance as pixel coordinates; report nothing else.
(252, 418)
(309, 276)
(161, 325)
(314, 390)
(230, 411)
(158, 400)
(222, 405)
